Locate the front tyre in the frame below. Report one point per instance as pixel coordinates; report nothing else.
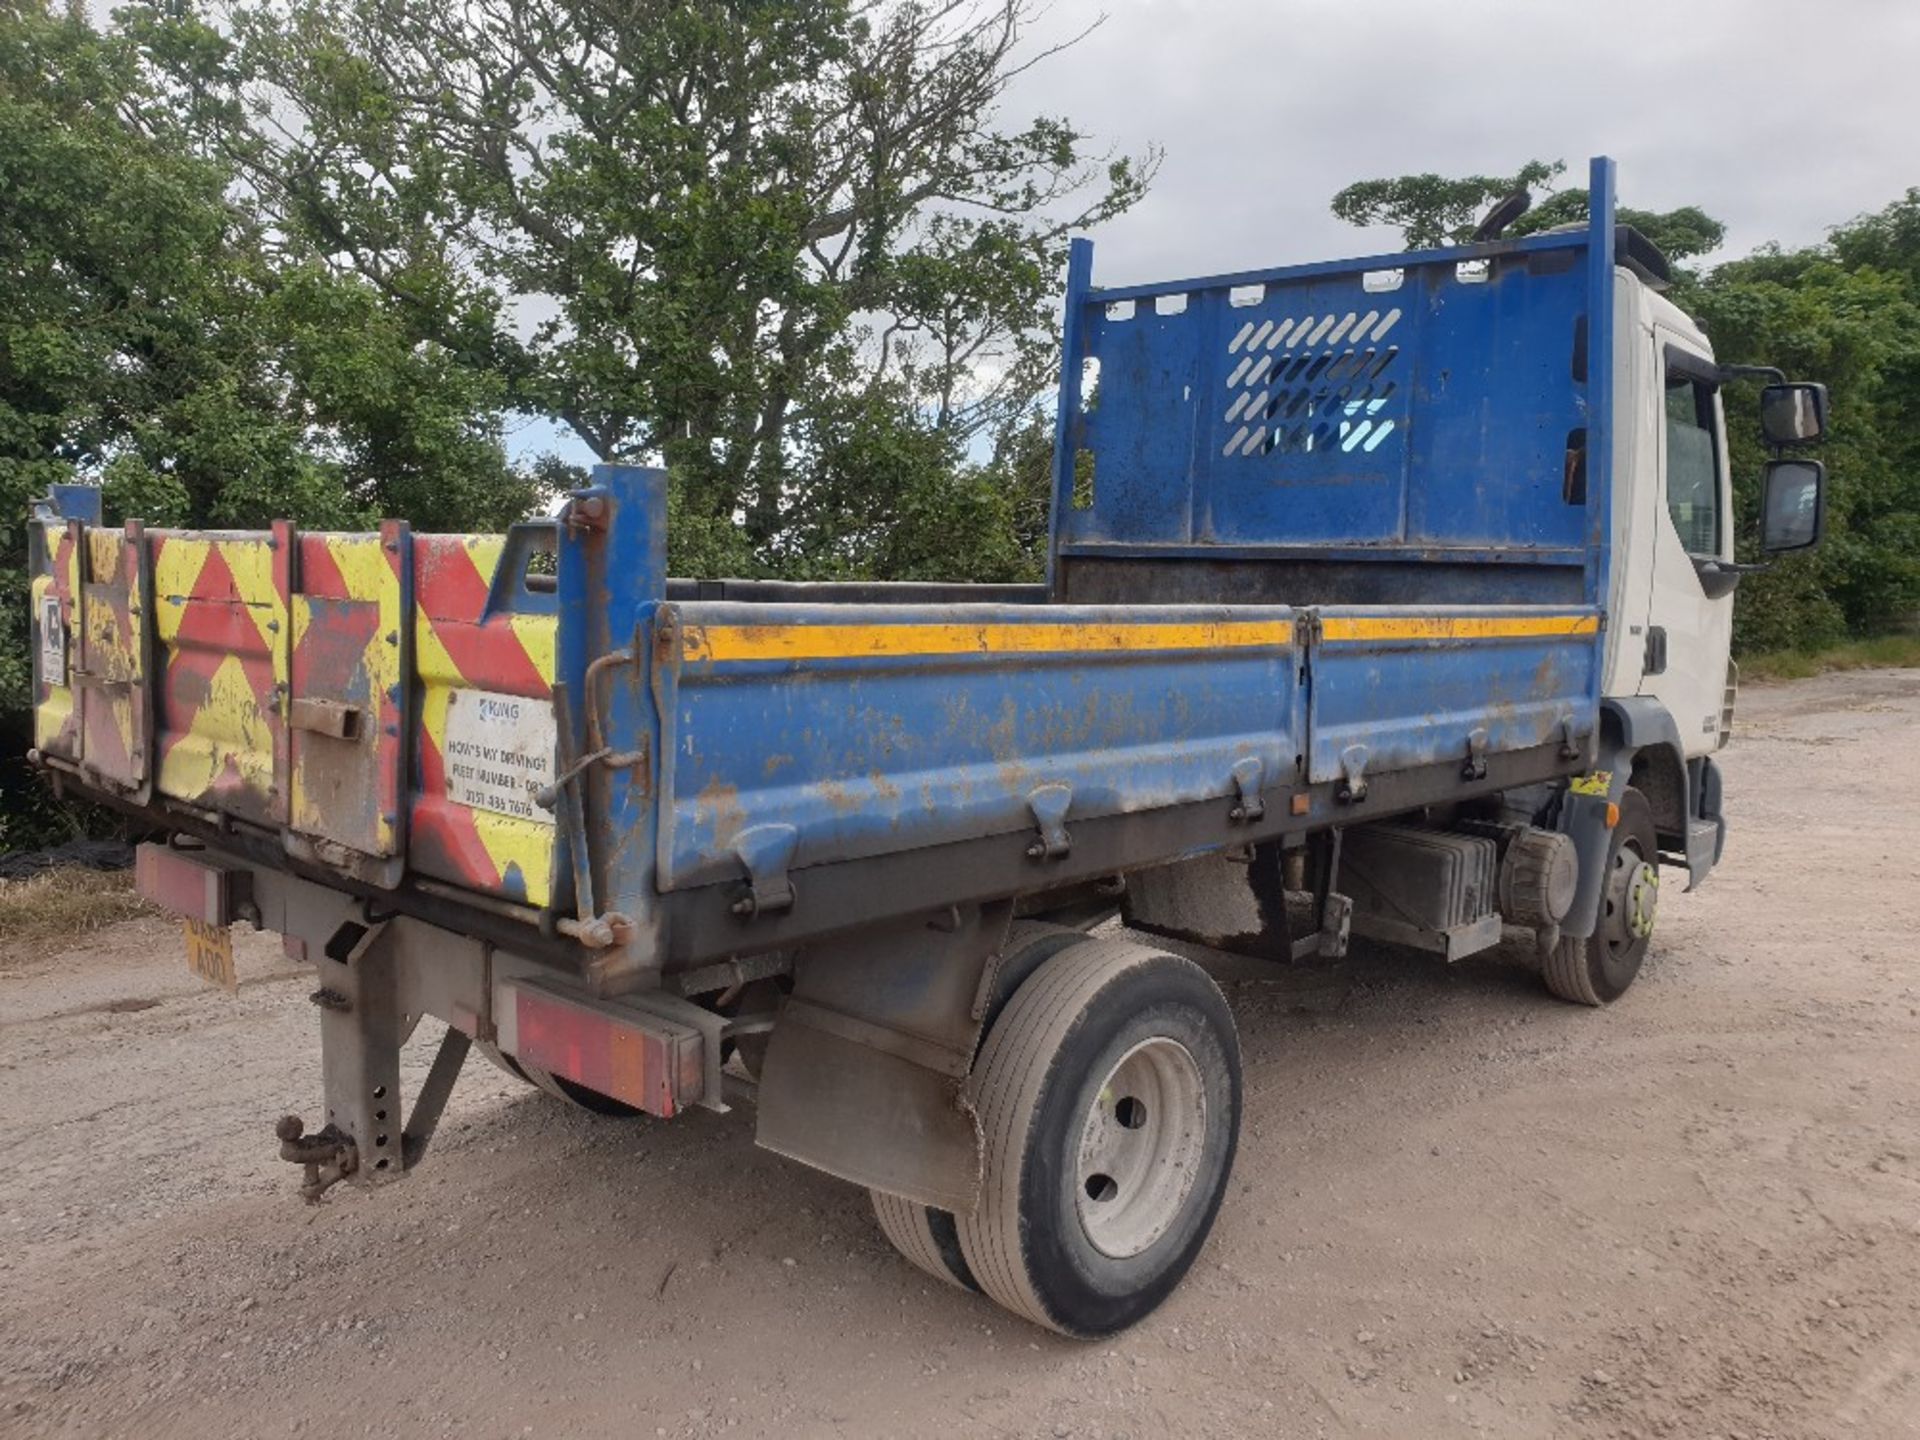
(1109, 1100)
(1598, 969)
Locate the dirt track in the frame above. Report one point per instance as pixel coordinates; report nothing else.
(1460, 1208)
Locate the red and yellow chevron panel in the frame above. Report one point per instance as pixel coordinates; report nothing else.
(56, 718)
(221, 615)
(270, 683)
(114, 703)
(456, 647)
(345, 743)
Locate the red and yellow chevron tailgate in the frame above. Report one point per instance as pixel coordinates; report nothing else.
(56, 721)
(220, 622)
(270, 683)
(455, 649)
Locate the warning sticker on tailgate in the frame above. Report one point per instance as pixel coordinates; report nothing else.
(499, 751)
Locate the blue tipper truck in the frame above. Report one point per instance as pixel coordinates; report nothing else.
(1386, 596)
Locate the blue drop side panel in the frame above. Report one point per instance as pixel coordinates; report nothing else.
(1417, 702)
(876, 754)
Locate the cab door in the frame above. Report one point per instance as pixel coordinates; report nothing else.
(1690, 620)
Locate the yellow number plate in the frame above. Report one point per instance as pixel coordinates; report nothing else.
(210, 953)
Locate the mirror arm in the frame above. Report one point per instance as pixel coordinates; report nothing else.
(1752, 372)
(1719, 577)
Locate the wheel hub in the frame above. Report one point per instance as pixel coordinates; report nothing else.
(1140, 1147)
(1642, 899)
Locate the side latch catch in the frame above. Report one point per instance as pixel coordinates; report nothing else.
(1049, 806)
(765, 851)
(1476, 766)
(1352, 788)
(1246, 780)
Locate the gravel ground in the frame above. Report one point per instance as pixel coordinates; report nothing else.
(1459, 1208)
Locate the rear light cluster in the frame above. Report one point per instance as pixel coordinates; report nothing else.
(651, 1063)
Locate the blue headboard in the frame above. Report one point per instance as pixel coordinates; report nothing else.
(1433, 405)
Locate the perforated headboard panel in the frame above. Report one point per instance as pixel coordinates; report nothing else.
(1427, 406)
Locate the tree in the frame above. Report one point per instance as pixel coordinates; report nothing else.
(1853, 329)
(148, 341)
(716, 232)
(1683, 234)
(1431, 210)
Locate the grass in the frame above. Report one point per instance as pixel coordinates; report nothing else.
(1887, 651)
(59, 905)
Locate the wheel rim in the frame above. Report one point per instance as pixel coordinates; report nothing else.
(1140, 1148)
(1633, 899)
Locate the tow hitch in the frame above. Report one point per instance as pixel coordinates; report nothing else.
(330, 1157)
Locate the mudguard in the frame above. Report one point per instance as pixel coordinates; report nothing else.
(1628, 725)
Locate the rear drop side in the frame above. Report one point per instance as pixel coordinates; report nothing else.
(484, 647)
(384, 700)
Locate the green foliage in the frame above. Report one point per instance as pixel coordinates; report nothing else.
(154, 340)
(1681, 235)
(783, 244)
(301, 258)
(1431, 210)
(1857, 329)
(1881, 652)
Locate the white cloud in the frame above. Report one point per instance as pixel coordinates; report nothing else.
(1778, 118)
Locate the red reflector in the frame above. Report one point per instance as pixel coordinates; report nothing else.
(649, 1062)
(193, 888)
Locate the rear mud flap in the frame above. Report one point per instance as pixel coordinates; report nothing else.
(865, 1115)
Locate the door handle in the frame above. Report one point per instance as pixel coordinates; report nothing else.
(326, 717)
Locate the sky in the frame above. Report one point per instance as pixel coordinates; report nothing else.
(1780, 118)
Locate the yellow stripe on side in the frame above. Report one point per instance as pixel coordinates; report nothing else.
(838, 642)
(1457, 627)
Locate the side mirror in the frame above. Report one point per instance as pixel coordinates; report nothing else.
(1793, 511)
(1793, 414)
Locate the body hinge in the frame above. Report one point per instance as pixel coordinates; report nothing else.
(1569, 747)
(1475, 767)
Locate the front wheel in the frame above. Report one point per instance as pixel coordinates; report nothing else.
(1109, 1101)
(1599, 968)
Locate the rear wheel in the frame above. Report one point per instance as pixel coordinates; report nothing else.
(923, 1234)
(1599, 968)
(1109, 1101)
(562, 1089)
(926, 1236)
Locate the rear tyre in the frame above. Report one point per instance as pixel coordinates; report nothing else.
(1598, 969)
(567, 1091)
(1109, 1101)
(927, 1237)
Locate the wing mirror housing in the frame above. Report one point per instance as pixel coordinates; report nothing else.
(1793, 413)
(1793, 507)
